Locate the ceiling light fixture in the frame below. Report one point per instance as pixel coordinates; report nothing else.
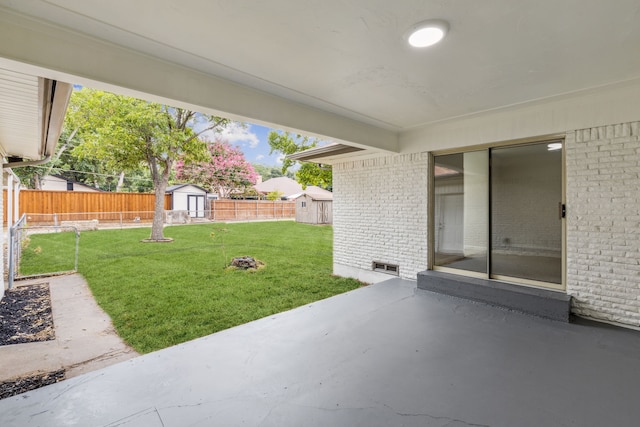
(554, 146)
(427, 33)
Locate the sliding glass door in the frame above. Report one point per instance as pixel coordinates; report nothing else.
(498, 213)
(461, 211)
(526, 223)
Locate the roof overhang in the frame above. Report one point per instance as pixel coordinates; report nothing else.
(32, 111)
(328, 154)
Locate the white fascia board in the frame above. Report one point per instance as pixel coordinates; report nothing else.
(62, 54)
(606, 105)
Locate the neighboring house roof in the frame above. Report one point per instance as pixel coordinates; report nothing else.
(176, 187)
(77, 186)
(286, 186)
(316, 193)
(289, 188)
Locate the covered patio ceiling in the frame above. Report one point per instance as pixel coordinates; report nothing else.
(338, 70)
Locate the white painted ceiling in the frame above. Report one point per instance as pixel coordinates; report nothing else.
(349, 57)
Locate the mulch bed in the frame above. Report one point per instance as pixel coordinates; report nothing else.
(22, 385)
(25, 315)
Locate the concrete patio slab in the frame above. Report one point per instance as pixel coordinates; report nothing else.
(383, 355)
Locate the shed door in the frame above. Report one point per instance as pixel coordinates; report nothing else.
(195, 205)
(323, 212)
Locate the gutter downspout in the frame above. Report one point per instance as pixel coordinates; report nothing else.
(12, 165)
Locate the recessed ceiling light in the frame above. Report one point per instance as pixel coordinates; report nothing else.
(554, 146)
(427, 33)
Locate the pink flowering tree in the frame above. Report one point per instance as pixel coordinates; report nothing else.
(224, 172)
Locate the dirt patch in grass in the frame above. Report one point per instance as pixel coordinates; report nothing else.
(16, 386)
(25, 315)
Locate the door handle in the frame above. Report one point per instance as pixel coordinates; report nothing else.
(562, 210)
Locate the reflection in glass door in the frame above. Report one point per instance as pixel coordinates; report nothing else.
(461, 211)
(496, 213)
(526, 224)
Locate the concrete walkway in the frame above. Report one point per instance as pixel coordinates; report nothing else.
(85, 339)
(383, 355)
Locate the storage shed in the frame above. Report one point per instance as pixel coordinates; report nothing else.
(313, 208)
(188, 198)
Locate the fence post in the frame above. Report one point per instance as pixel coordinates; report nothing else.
(257, 212)
(120, 213)
(12, 249)
(235, 207)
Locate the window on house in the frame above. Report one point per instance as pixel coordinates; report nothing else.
(304, 204)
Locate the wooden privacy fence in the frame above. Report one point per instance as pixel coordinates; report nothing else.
(79, 206)
(246, 210)
(52, 207)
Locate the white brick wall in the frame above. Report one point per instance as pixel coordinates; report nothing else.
(380, 214)
(603, 222)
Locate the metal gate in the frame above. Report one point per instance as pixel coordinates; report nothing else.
(17, 236)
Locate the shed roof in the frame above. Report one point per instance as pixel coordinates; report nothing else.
(176, 187)
(316, 193)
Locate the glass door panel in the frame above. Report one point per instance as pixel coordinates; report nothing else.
(461, 211)
(526, 226)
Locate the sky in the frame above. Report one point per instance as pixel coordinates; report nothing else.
(253, 140)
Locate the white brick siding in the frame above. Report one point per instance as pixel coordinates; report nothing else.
(603, 222)
(380, 214)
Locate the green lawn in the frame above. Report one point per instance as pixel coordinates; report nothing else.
(161, 294)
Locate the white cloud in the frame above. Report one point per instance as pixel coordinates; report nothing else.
(280, 159)
(236, 133)
(260, 157)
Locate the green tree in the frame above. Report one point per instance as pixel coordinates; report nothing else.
(74, 165)
(274, 195)
(268, 172)
(125, 133)
(309, 173)
(225, 171)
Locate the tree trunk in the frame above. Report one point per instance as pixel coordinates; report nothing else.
(120, 182)
(157, 227)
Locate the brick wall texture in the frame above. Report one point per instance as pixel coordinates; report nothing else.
(603, 222)
(381, 214)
